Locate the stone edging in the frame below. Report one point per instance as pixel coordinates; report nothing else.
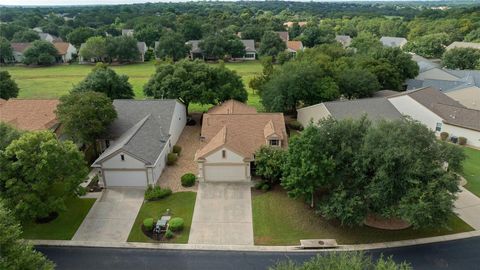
(136, 245)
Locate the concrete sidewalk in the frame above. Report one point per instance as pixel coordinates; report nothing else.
(467, 207)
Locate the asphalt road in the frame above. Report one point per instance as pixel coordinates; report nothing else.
(458, 254)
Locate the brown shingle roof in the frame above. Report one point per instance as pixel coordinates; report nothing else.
(283, 35)
(20, 46)
(241, 133)
(2, 101)
(232, 107)
(62, 47)
(294, 45)
(29, 114)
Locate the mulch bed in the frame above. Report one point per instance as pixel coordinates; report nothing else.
(46, 219)
(392, 224)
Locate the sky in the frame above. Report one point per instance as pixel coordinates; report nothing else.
(108, 2)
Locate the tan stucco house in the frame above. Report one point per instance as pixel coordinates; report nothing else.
(231, 133)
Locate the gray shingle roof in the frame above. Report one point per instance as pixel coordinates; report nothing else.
(393, 41)
(466, 78)
(249, 45)
(140, 129)
(375, 108)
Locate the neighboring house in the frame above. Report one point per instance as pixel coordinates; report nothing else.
(290, 24)
(233, 132)
(461, 85)
(293, 47)
(127, 32)
(344, 40)
(142, 49)
(385, 93)
(440, 113)
(423, 63)
(66, 51)
(48, 37)
(393, 41)
(374, 108)
(284, 36)
(30, 114)
(196, 52)
(137, 143)
(18, 49)
(461, 44)
(2, 101)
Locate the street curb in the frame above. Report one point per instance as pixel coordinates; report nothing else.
(201, 247)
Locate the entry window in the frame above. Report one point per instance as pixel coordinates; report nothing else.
(274, 142)
(122, 157)
(224, 154)
(438, 127)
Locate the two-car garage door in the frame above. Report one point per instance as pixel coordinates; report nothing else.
(225, 173)
(125, 178)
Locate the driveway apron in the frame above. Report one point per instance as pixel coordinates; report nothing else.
(112, 216)
(222, 215)
(467, 206)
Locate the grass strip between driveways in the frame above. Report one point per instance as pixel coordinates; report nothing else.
(471, 170)
(64, 226)
(280, 220)
(181, 204)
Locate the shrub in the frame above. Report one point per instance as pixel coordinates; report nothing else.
(148, 224)
(171, 158)
(177, 149)
(169, 234)
(443, 135)
(462, 140)
(295, 125)
(259, 185)
(188, 179)
(156, 193)
(176, 224)
(265, 187)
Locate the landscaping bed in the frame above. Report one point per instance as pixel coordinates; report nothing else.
(471, 170)
(62, 227)
(280, 220)
(181, 204)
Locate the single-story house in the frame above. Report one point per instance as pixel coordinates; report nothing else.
(374, 108)
(344, 40)
(232, 132)
(461, 44)
(293, 47)
(18, 49)
(440, 113)
(30, 114)
(290, 24)
(423, 63)
(127, 32)
(136, 144)
(48, 37)
(283, 36)
(393, 41)
(196, 52)
(66, 51)
(142, 49)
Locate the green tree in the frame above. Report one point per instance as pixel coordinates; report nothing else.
(25, 36)
(171, 45)
(94, 48)
(271, 44)
(343, 260)
(461, 58)
(257, 82)
(401, 61)
(314, 35)
(195, 81)
(39, 173)
(366, 43)
(104, 79)
(15, 252)
(191, 29)
(357, 83)
(80, 35)
(294, 31)
(85, 115)
(8, 134)
(6, 52)
(473, 36)
(122, 49)
(214, 46)
(148, 34)
(40, 53)
(8, 85)
(430, 46)
(235, 48)
(269, 162)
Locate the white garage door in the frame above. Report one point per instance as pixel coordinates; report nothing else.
(125, 178)
(231, 173)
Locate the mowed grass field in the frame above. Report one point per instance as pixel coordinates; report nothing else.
(55, 81)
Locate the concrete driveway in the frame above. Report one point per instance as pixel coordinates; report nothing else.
(112, 216)
(222, 215)
(467, 206)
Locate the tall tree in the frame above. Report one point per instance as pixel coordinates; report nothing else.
(214, 46)
(366, 43)
(8, 134)
(94, 48)
(461, 58)
(40, 53)
(15, 252)
(314, 35)
(39, 173)
(430, 46)
(85, 115)
(122, 49)
(171, 45)
(103, 79)
(271, 44)
(269, 162)
(357, 83)
(148, 34)
(80, 35)
(6, 52)
(25, 36)
(8, 85)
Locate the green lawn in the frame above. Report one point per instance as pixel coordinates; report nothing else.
(55, 81)
(471, 170)
(181, 204)
(64, 226)
(280, 220)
